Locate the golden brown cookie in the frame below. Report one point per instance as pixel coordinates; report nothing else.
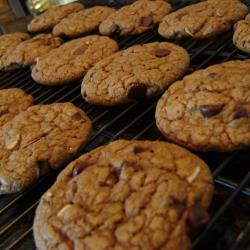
(12, 102)
(48, 19)
(41, 138)
(8, 43)
(209, 109)
(26, 52)
(126, 195)
(72, 60)
(135, 18)
(241, 36)
(134, 73)
(82, 22)
(203, 19)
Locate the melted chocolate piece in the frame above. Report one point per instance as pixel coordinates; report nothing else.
(162, 52)
(43, 166)
(112, 179)
(197, 219)
(137, 92)
(210, 110)
(79, 167)
(240, 113)
(115, 29)
(84, 94)
(2, 112)
(77, 116)
(146, 21)
(178, 205)
(138, 150)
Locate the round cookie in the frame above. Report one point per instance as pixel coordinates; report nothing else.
(72, 60)
(82, 22)
(48, 19)
(241, 37)
(139, 71)
(126, 195)
(209, 110)
(8, 43)
(135, 18)
(12, 102)
(41, 138)
(203, 19)
(26, 52)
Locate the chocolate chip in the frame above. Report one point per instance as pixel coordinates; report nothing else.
(115, 29)
(210, 110)
(84, 94)
(79, 167)
(43, 166)
(162, 52)
(197, 219)
(79, 51)
(138, 150)
(77, 116)
(146, 21)
(179, 206)
(2, 112)
(137, 92)
(240, 113)
(111, 180)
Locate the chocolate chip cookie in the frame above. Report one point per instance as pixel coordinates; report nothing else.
(126, 195)
(241, 36)
(8, 43)
(72, 60)
(52, 16)
(203, 19)
(82, 22)
(26, 52)
(137, 72)
(12, 102)
(209, 109)
(135, 18)
(41, 138)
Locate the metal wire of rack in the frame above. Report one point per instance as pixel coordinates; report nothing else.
(136, 121)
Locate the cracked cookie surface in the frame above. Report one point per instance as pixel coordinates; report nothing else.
(203, 19)
(82, 22)
(12, 102)
(241, 37)
(72, 60)
(48, 19)
(26, 52)
(135, 18)
(8, 43)
(137, 72)
(126, 195)
(41, 138)
(209, 109)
